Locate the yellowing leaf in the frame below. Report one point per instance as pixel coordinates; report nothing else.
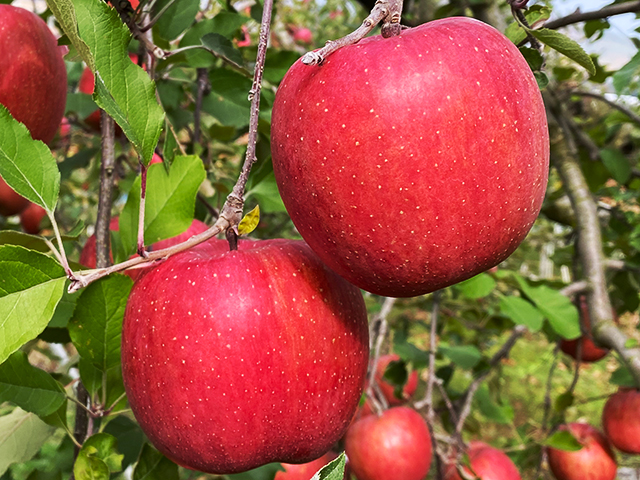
(250, 221)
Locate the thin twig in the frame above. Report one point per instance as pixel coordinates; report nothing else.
(105, 191)
(143, 201)
(605, 12)
(547, 407)
(202, 84)
(379, 326)
(158, 16)
(465, 410)
(627, 111)
(386, 11)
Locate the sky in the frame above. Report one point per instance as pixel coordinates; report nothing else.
(615, 48)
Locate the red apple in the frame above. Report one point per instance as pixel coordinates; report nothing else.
(33, 76)
(11, 203)
(393, 446)
(88, 253)
(388, 390)
(303, 35)
(488, 463)
(621, 420)
(31, 217)
(234, 359)
(306, 471)
(590, 352)
(414, 162)
(595, 461)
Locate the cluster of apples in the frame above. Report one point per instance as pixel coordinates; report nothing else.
(234, 359)
(620, 420)
(33, 87)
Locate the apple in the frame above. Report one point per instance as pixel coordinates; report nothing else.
(306, 471)
(31, 217)
(302, 35)
(88, 253)
(393, 446)
(11, 203)
(595, 461)
(235, 359)
(388, 390)
(487, 463)
(414, 162)
(590, 352)
(33, 76)
(621, 420)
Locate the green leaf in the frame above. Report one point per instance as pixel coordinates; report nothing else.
(176, 19)
(28, 387)
(534, 14)
(334, 470)
(464, 356)
(222, 47)
(27, 164)
(228, 101)
(122, 88)
(266, 472)
(278, 63)
(104, 447)
(626, 75)
(170, 202)
(477, 287)
(558, 309)
(522, 312)
(563, 440)
(493, 411)
(249, 222)
(225, 24)
(566, 46)
(562, 402)
(21, 436)
(31, 286)
(96, 325)
(65, 13)
(152, 465)
(80, 103)
(129, 436)
(617, 164)
(623, 377)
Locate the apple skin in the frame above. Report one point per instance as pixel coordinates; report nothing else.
(595, 461)
(395, 445)
(388, 389)
(590, 352)
(305, 471)
(487, 462)
(11, 203)
(31, 217)
(621, 420)
(415, 162)
(33, 76)
(232, 360)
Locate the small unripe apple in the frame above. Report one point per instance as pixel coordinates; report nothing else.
(488, 463)
(414, 162)
(31, 217)
(305, 471)
(595, 461)
(393, 446)
(33, 76)
(235, 359)
(621, 420)
(590, 352)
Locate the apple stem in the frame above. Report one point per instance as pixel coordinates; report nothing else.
(232, 238)
(60, 255)
(143, 195)
(127, 14)
(386, 11)
(547, 407)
